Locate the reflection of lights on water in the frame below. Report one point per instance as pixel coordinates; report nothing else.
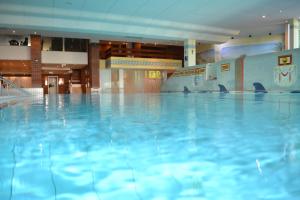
(64, 121)
(258, 166)
(289, 152)
(72, 169)
(79, 154)
(60, 102)
(41, 148)
(130, 186)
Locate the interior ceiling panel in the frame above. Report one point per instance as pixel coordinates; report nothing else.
(231, 16)
(121, 7)
(99, 5)
(68, 4)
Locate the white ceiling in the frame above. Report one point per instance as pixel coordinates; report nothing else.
(175, 20)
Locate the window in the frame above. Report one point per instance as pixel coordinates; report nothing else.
(77, 45)
(52, 44)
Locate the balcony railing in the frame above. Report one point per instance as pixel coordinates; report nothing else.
(144, 53)
(15, 53)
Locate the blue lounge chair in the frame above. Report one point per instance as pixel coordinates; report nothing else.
(259, 88)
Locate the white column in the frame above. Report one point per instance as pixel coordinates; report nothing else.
(189, 52)
(287, 39)
(217, 48)
(292, 34)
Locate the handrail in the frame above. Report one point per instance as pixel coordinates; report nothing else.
(142, 53)
(10, 84)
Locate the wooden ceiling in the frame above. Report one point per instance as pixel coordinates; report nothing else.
(23, 67)
(15, 67)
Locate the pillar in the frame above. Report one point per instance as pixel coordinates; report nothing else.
(218, 48)
(93, 61)
(239, 73)
(189, 52)
(36, 64)
(137, 45)
(292, 34)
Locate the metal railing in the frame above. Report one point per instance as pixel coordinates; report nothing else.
(144, 53)
(9, 89)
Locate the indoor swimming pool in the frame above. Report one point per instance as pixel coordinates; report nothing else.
(151, 147)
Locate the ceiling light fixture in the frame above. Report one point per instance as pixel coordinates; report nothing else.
(264, 16)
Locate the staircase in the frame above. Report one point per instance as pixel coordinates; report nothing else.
(9, 90)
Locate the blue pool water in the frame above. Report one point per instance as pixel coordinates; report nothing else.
(151, 147)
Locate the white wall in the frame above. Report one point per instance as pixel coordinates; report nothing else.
(63, 57)
(226, 78)
(192, 82)
(261, 69)
(15, 53)
(50, 57)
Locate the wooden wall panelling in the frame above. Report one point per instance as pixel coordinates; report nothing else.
(36, 67)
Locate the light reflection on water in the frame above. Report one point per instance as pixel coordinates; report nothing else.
(167, 146)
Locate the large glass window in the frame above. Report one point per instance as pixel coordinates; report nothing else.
(57, 44)
(14, 40)
(77, 45)
(70, 44)
(52, 44)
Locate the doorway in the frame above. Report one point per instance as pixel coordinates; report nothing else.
(52, 84)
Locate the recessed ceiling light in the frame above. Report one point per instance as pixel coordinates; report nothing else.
(264, 16)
